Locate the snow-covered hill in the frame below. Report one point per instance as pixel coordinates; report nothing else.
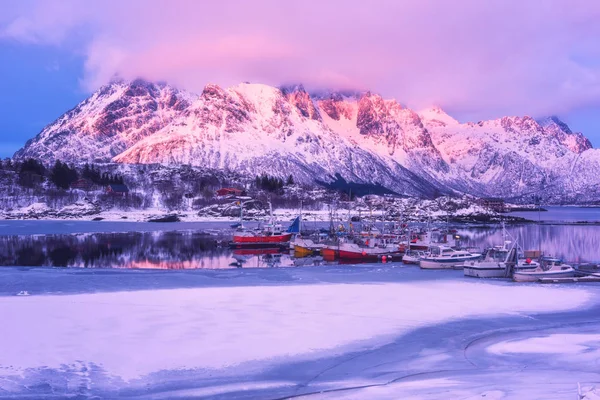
(255, 129)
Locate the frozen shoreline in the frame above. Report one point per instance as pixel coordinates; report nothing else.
(270, 333)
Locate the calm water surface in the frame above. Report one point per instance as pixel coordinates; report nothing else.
(204, 245)
(562, 214)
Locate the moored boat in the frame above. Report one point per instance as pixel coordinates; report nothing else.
(304, 247)
(330, 252)
(443, 257)
(261, 237)
(548, 268)
(412, 257)
(424, 241)
(498, 262)
(266, 235)
(363, 252)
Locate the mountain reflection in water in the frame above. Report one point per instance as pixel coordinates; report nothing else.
(194, 249)
(153, 250)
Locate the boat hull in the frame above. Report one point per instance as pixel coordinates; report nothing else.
(330, 254)
(492, 270)
(300, 251)
(443, 264)
(366, 257)
(260, 239)
(437, 265)
(410, 260)
(524, 276)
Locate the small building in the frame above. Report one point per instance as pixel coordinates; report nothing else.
(493, 203)
(229, 192)
(82, 184)
(117, 189)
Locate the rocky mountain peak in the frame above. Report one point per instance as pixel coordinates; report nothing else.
(336, 104)
(575, 141)
(299, 98)
(212, 91)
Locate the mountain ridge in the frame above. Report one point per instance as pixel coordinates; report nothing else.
(256, 128)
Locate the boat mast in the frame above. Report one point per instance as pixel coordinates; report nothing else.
(540, 225)
(271, 216)
(300, 220)
(241, 214)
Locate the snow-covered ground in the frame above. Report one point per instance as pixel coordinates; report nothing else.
(371, 331)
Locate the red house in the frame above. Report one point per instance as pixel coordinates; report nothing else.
(229, 192)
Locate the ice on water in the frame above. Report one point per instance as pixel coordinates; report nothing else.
(375, 331)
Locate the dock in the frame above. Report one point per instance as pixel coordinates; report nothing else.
(574, 279)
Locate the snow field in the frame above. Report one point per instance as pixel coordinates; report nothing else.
(132, 334)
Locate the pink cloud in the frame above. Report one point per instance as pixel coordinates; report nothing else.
(486, 58)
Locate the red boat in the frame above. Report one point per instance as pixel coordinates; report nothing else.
(330, 253)
(260, 237)
(268, 235)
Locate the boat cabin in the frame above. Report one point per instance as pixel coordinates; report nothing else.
(550, 262)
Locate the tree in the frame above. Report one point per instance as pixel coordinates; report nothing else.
(31, 165)
(290, 180)
(31, 173)
(91, 173)
(62, 175)
(269, 183)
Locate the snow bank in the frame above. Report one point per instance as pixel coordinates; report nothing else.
(553, 344)
(132, 334)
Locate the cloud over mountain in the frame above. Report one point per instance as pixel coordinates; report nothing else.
(484, 59)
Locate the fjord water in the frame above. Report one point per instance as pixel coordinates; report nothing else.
(562, 214)
(204, 244)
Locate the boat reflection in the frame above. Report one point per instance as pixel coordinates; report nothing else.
(195, 250)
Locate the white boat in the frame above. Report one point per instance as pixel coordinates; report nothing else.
(498, 262)
(412, 257)
(443, 257)
(548, 268)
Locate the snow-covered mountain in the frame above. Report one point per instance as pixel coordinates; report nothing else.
(255, 129)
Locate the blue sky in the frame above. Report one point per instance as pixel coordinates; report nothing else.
(475, 59)
(38, 84)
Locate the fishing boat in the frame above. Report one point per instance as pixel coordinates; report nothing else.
(420, 241)
(331, 248)
(444, 257)
(425, 240)
(498, 262)
(370, 250)
(330, 252)
(269, 234)
(549, 268)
